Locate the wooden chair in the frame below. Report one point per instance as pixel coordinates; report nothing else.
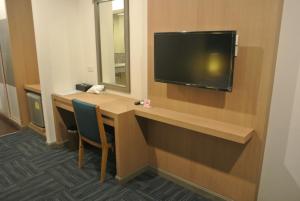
(91, 130)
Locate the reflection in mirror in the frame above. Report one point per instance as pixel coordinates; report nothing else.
(112, 41)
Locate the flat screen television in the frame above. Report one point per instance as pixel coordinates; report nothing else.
(199, 59)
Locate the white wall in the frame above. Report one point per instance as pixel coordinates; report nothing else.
(292, 155)
(58, 49)
(138, 48)
(107, 46)
(280, 178)
(66, 49)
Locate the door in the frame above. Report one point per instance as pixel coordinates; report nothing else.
(9, 99)
(4, 105)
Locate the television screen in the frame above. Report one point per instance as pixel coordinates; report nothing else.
(200, 59)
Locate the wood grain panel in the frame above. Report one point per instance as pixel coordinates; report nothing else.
(132, 150)
(225, 168)
(23, 48)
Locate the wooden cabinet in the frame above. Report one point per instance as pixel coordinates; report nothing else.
(23, 49)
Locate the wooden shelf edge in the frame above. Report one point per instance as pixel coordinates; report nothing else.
(33, 88)
(201, 125)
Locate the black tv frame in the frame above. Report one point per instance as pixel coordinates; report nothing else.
(233, 53)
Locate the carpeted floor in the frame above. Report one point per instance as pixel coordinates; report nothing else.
(30, 170)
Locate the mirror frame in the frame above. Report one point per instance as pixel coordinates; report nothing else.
(115, 87)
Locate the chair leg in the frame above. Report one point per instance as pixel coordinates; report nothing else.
(103, 163)
(81, 153)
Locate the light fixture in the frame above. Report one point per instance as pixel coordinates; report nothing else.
(118, 4)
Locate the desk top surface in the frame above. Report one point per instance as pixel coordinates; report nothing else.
(109, 103)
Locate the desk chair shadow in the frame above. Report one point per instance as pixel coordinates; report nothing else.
(91, 130)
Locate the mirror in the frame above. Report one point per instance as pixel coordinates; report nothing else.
(112, 36)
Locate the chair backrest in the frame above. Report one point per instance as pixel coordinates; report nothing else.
(89, 121)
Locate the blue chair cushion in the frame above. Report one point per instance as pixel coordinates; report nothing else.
(87, 122)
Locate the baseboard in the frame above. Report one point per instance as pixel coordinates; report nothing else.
(37, 129)
(123, 180)
(54, 145)
(189, 185)
(177, 180)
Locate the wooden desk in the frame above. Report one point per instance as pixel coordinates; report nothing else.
(131, 145)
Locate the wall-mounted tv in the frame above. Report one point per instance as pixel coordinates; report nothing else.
(199, 59)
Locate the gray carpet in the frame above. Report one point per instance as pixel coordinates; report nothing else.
(30, 170)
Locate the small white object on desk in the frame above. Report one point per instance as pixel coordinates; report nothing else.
(96, 89)
(68, 92)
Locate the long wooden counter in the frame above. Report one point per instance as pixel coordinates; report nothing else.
(201, 125)
(113, 105)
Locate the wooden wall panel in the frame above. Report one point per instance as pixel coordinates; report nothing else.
(24, 58)
(226, 168)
